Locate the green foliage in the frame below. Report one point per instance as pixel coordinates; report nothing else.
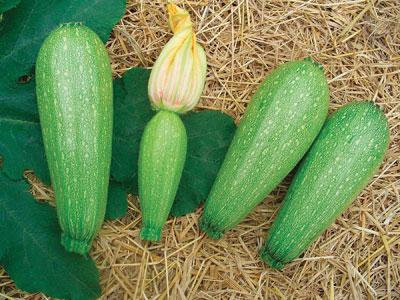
(24, 29)
(117, 203)
(7, 5)
(30, 248)
(209, 136)
(132, 112)
(21, 145)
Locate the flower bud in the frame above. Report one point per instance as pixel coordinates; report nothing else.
(177, 79)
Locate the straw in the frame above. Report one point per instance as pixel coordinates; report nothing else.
(358, 257)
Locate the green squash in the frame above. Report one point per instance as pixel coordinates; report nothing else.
(282, 120)
(74, 94)
(340, 163)
(161, 160)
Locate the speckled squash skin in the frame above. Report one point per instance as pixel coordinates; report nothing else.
(74, 94)
(344, 157)
(161, 160)
(281, 122)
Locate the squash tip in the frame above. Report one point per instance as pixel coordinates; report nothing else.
(150, 234)
(73, 245)
(211, 231)
(269, 259)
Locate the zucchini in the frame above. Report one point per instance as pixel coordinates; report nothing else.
(175, 85)
(282, 120)
(340, 163)
(74, 95)
(161, 159)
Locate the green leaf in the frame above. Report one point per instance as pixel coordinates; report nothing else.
(209, 135)
(117, 203)
(132, 111)
(31, 251)
(21, 145)
(8, 4)
(22, 31)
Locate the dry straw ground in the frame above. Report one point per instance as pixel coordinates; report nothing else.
(358, 257)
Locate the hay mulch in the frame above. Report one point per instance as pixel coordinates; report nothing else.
(358, 257)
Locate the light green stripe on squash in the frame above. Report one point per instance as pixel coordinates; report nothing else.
(74, 92)
(342, 160)
(161, 160)
(282, 120)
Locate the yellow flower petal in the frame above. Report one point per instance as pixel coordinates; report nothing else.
(178, 18)
(177, 79)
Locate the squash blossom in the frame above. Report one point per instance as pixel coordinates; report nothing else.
(175, 85)
(177, 79)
